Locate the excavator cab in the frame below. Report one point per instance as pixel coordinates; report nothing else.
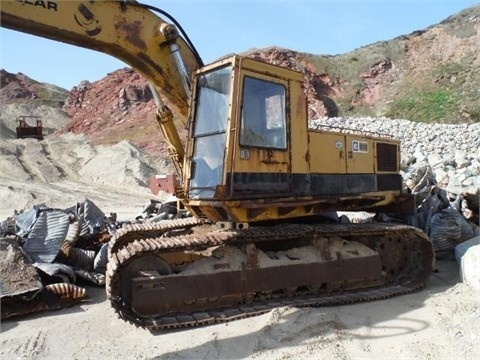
(252, 156)
(239, 144)
(239, 133)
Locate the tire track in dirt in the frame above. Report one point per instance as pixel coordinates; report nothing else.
(37, 161)
(310, 334)
(31, 347)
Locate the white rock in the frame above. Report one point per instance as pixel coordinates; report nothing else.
(462, 163)
(435, 160)
(470, 262)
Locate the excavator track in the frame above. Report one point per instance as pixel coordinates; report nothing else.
(404, 253)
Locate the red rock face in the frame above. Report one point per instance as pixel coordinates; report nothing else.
(115, 98)
(119, 106)
(15, 87)
(373, 83)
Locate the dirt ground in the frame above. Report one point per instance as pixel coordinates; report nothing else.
(438, 322)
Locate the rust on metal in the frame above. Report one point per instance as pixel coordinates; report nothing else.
(132, 32)
(356, 262)
(29, 127)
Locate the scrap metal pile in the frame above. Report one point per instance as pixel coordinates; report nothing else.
(47, 253)
(446, 218)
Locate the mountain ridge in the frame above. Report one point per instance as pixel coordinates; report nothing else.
(429, 75)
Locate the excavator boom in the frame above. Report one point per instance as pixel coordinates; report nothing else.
(127, 30)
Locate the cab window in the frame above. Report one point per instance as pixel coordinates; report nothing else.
(263, 122)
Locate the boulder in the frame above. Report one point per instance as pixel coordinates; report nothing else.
(468, 255)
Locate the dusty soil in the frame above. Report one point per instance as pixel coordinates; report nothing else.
(439, 322)
(61, 171)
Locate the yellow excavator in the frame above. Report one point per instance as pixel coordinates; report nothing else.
(256, 176)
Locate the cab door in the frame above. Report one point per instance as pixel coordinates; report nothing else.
(261, 164)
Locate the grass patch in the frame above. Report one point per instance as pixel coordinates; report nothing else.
(350, 65)
(433, 106)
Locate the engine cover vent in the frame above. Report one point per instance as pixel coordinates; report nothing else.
(387, 157)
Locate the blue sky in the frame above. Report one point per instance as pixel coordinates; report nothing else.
(221, 27)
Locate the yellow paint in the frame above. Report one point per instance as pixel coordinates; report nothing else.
(327, 153)
(360, 155)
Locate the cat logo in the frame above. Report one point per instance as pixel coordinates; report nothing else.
(359, 146)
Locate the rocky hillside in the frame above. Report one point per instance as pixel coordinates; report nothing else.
(20, 88)
(431, 75)
(23, 96)
(117, 107)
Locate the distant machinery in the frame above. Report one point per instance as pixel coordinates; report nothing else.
(26, 130)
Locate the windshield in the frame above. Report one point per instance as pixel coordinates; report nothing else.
(211, 114)
(213, 92)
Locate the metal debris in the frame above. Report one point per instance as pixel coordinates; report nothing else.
(445, 217)
(157, 211)
(58, 270)
(45, 251)
(47, 235)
